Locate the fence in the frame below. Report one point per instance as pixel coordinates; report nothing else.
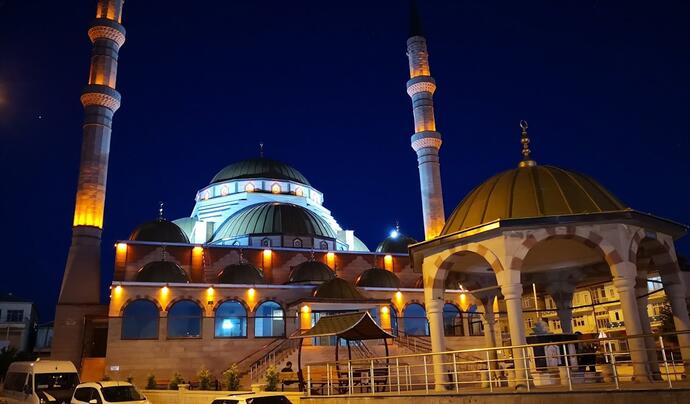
(592, 364)
(186, 396)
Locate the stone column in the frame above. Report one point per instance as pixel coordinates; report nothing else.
(564, 309)
(512, 294)
(676, 297)
(434, 313)
(624, 275)
(641, 291)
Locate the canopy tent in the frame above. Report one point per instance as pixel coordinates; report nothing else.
(358, 326)
(348, 326)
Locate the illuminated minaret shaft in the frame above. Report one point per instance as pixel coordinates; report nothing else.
(426, 141)
(81, 282)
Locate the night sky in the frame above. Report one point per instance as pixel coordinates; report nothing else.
(604, 85)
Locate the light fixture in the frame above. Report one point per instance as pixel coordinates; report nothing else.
(394, 233)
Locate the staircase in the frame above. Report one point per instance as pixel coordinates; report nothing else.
(414, 343)
(253, 366)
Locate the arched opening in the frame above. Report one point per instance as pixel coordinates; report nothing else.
(140, 320)
(415, 321)
(184, 320)
(452, 321)
(297, 243)
(231, 320)
(275, 188)
(269, 320)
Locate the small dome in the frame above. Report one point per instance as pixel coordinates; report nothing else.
(529, 192)
(161, 231)
(378, 278)
(337, 288)
(242, 274)
(396, 243)
(274, 218)
(162, 271)
(311, 272)
(259, 168)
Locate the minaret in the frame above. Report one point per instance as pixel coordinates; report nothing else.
(81, 281)
(426, 141)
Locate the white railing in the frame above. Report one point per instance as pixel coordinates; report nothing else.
(604, 363)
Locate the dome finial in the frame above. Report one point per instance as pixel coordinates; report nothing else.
(526, 152)
(261, 149)
(160, 211)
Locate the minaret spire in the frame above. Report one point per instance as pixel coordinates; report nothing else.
(526, 152)
(426, 141)
(81, 283)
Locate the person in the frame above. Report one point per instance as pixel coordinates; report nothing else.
(288, 367)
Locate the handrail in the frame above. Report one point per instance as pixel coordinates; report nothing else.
(508, 347)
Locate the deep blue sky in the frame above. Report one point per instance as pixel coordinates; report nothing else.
(603, 84)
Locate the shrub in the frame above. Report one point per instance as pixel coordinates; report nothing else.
(175, 381)
(271, 378)
(150, 382)
(231, 378)
(204, 376)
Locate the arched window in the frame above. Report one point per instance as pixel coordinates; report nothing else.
(297, 243)
(452, 321)
(184, 320)
(249, 187)
(324, 245)
(275, 188)
(140, 320)
(231, 320)
(269, 320)
(299, 191)
(266, 242)
(475, 321)
(415, 320)
(224, 190)
(394, 320)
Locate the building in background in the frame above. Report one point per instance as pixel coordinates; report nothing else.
(18, 319)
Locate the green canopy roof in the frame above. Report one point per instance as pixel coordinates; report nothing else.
(348, 326)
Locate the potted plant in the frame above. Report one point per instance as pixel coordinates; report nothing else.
(231, 378)
(204, 376)
(150, 382)
(271, 378)
(175, 381)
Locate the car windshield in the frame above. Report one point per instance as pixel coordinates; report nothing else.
(117, 394)
(268, 400)
(55, 381)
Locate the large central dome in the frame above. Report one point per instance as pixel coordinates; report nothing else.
(274, 218)
(531, 191)
(259, 168)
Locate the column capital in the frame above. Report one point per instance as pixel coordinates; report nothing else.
(434, 306)
(103, 28)
(104, 96)
(512, 291)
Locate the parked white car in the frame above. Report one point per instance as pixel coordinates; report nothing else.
(108, 392)
(253, 398)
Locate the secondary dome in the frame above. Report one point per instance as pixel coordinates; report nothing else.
(162, 271)
(241, 274)
(396, 243)
(259, 168)
(161, 231)
(274, 218)
(311, 272)
(529, 192)
(337, 288)
(378, 278)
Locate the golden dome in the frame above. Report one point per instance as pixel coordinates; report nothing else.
(531, 191)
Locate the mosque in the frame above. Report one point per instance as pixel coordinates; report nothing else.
(260, 257)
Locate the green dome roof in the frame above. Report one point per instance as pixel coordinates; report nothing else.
(162, 271)
(311, 272)
(395, 245)
(161, 231)
(337, 288)
(259, 168)
(274, 218)
(530, 192)
(241, 274)
(378, 278)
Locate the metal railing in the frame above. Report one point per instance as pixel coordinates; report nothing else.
(271, 354)
(592, 364)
